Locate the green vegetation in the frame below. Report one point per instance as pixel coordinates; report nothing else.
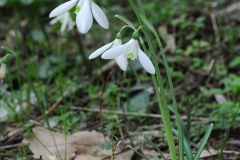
(51, 82)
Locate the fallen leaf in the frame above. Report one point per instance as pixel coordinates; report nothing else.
(82, 145)
(52, 158)
(220, 98)
(169, 39)
(208, 153)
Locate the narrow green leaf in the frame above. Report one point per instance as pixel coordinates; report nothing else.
(140, 154)
(10, 50)
(186, 146)
(147, 23)
(179, 118)
(155, 157)
(227, 134)
(203, 142)
(155, 146)
(126, 21)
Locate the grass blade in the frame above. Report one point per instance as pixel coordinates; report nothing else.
(140, 154)
(227, 134)
(186, 145)
(203, 142)
(126, 21)
(154, 145)
(10, 50)
(155, 157)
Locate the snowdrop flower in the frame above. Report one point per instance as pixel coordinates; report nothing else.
(116, 42)
(3, 69)
(84, 10)
(129, 50)
(66, 20)
(104, 48)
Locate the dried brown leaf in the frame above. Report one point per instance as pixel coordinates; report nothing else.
(83, 145)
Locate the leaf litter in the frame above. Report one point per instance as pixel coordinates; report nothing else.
(83, 145)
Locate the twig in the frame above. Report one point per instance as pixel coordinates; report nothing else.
(215, 26)
(122, 151)
(10, 146)
(132, 113)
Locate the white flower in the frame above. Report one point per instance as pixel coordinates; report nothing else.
(3, 69)
(104, 48)
(84, 10)
(129, 50)
(66, 20)
(115, 43)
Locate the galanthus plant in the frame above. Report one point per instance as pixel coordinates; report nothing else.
(66, 20)
(85, 10)
(3, 67)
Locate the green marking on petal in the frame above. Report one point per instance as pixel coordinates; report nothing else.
(77, 9)
(61, 20)
(130, 55)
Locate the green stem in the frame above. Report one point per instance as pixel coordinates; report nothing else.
(161, 96)
(180, 135)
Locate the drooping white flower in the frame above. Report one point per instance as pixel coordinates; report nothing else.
(115, 43)
(129, 50)
(104, 48)
(85, 11)
(3, 69)
(66, 20)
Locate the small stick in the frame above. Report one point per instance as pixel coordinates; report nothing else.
(131, 113)
(215, 26)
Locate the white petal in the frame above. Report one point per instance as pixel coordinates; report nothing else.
(132, 50)
(115, 51)
(99, 16)
(100, 50)
(145, 62)
(70, 24)
(54, 20)
(80, 3)
(117, 42)
(122, 62)
(62, 8)
(65, 22)
(84, 18)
